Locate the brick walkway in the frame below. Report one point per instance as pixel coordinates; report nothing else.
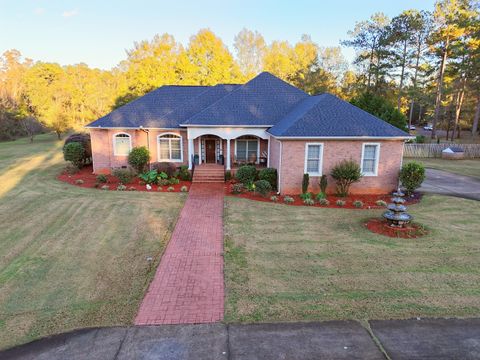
(188, 285)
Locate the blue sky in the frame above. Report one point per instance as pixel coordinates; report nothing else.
(98, 32)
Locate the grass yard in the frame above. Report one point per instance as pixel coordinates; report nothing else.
(470, 167)
(71, 257)
(298, 263)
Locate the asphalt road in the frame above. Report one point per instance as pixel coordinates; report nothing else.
(389, 339)
(446, 183)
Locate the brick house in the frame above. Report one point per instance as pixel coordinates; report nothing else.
(266, 122)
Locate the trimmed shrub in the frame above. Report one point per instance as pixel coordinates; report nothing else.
(274, 198)
(163, 182)
(139, 158)
(74, 152)
(170, 188)
(71, 169)
(324, 202)
(124, 175)
(345, 174)
(237, 188)
(79, 181)
(246, 174)
(305, 183)
(84, 139)
(166, 167)
(309, 202)
(270, 175)
(321, 196)
(323, 184)
(183, 173)
(102, 178)
(228, 175)
(121, 187)
(288, 200)
(263, 187)
(184, 189)
(412, 176)
(380, 203)
(358, 203)
(105, 187)
(340, 202)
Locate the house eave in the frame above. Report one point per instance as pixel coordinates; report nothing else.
(343, 137)
(131, 128)
(224, 125)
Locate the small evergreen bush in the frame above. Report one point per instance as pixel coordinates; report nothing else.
(270, 175)
(288, 200)
(274, 198)
(358, 203)
(306, 196)
(183, 173)
(124, 175)
(228, 175)
(102, 178)
(340, 202)
(309, 202)
(170, 188)
(246, 174)
(121, 187)
(324, 202)
(305, 183)
(323, 184)
(166, 167)
(412, 176)
(321, 196)
(139, 158)
(237, 188)
(263, 187)
(345, 174)
(380, 203)
(74, 152)
(184, 188)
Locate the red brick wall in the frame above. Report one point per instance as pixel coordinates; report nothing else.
(293, 165)
(102, 147)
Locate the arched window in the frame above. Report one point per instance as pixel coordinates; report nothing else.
(122, 144)
(169, 148)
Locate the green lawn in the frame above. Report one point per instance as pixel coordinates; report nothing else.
(71, 257)
(286, 263)
(470, 167)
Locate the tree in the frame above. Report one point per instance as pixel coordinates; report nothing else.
(250, 49)
(382, 108)
(207, 61)
(447, 20)
(368, 38)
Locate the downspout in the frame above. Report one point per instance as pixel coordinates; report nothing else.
(280, 168)
(148, 144)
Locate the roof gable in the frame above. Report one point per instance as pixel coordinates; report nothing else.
(264, 100)
(328, 116)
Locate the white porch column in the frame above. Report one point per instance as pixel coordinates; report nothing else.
(199, 150)
(190, 153)
(268, 153)
(228, 154)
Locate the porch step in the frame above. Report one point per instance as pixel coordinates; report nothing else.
(208, 173)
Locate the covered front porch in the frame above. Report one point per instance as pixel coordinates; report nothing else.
(230, 147)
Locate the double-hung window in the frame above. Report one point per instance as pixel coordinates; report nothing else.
(313, 159)
(122, 144)
(370, 156)
(247, 150)
(170, 148)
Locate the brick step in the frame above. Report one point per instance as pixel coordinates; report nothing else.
(214, 178)
(207, 181)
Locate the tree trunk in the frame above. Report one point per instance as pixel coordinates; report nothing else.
(417, 62)
(438, 98)
(370, 66)
(59, 135)
(458, 107)
(476, 118)
(402, 76)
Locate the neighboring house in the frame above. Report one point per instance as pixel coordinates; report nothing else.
(265, 121)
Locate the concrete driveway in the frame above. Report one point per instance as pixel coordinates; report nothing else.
(389, 339)
(446, 183)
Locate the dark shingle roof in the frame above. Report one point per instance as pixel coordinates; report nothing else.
(264, 100)
(326, 115)
(150, 109)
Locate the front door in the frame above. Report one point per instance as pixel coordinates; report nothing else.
(210, 152)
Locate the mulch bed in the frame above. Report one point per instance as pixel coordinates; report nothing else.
(380, 226)
(369, 201)
(90, 181)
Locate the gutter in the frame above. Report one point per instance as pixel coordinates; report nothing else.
(343, 137)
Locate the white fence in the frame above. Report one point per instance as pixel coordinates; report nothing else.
(435, 150)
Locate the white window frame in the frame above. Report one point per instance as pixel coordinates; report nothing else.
(320, 165)
(170, 148)
(258, 148)
(115, 153)
(377, 158)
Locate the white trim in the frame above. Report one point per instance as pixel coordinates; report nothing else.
(228, 155)
(191, 151)
(170, 147)
(320, 165)
(115, 143)
(258, 148)
(279, 170)
(268, 155)
(377, 158)
(131, 128)
(343, 137)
